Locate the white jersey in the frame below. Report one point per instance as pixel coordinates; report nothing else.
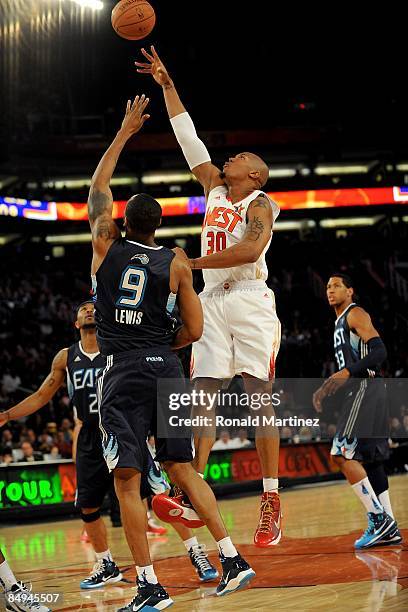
(225, 225)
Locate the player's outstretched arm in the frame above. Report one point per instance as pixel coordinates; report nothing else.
(249, 249)
(43, 395)
(100, 200)
(190, 308)
(193, 148)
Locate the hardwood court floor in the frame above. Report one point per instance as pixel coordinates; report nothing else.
(313, 568)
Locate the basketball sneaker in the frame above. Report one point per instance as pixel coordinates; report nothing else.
(199, 558)
(176, 509)
(379, 526)
(269, 530)
(149, 597)
(104, 572)
(392, 538)
(235, 574)
(20, 599)
(154, 528)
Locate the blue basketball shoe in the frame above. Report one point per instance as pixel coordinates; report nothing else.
(379, 527)
(199, 558)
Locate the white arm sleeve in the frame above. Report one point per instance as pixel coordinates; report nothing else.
(194, 150)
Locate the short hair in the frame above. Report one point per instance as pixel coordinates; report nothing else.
(78, 308)
(143, 213)
(345, 278)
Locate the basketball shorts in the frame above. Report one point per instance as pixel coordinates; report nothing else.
(362, 429)
(127, 396)
(94, 480)
(241, 332)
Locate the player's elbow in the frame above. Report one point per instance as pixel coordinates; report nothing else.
(251, 254)
(195, 332)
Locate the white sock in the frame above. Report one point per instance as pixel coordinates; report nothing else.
(270, 485)
(365, 493)
(226, 548)
(147, 573)
(104, 555)
(7, 578)
(149, 515)
(200, 474)
(385, 501)
(190, 543)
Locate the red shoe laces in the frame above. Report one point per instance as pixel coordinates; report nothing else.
(266, 518)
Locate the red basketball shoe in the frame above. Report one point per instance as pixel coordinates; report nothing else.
(269, 530)
(176, 509)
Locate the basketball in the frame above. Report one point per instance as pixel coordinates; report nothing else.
(133, 19)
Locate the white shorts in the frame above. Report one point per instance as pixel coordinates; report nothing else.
(242, 332)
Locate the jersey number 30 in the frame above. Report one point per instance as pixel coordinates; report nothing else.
(133, 283)
(217, 241)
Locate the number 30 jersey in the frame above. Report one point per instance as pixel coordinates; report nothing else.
(224, 225)
(82, 370)
(133, 302)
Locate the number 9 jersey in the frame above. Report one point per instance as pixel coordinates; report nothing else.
(225, 225)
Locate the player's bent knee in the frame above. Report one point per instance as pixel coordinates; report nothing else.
(90, 516)
(178, 472)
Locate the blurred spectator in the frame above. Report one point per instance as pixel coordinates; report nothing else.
(286, 434)
(6, 458)
(305, 434)
(224, 441)
(55, 454)
(64, 447)
(28, 453)
(241, 441)
(45, 443)
(66, 428)
(396, 429)
(7, 439)
(10, 382)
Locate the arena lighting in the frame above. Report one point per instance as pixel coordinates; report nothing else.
(97, 5)
(281, 172)
(403, 167)
(77, 183)
(328, 169)
(164, 177)
(349, 222)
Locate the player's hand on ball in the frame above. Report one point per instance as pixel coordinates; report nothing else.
(134, 116)
(155, 67)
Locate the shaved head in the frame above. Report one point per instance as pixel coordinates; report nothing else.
(260, 166)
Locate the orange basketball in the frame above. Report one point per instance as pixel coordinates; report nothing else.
(133, 19)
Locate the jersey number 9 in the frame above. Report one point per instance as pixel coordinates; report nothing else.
(133, 283)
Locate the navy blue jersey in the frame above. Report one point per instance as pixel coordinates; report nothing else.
(348, 346)
(133, 301)
(82, 369)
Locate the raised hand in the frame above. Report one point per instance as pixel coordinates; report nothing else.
(154, 66)
(134, 117)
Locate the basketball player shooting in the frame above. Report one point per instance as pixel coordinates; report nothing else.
(360, 446)
(241, 329)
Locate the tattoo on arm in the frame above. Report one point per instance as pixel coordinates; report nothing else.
(260, 202)
(98, 204)
(105, 229)
(255, 229)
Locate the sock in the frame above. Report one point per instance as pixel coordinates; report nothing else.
(270, 485)
(7, 578)
(149, 515)
(385, 501)
(146, 573)
(200, 474)
(104, 555)
(190, 543)
(226, 548)
(365, 493)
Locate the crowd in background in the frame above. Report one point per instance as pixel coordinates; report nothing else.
(39, 293)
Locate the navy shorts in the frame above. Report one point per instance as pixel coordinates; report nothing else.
(127, 394)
